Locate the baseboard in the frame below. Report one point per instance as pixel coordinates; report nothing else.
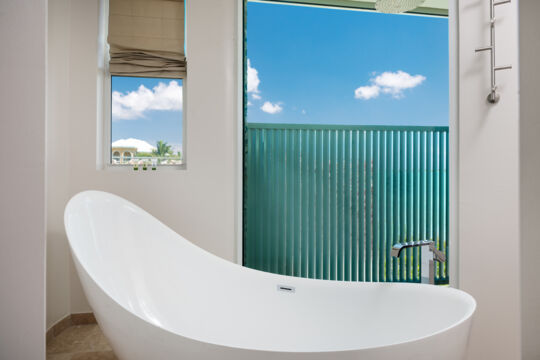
(69, 320)
(83, 319)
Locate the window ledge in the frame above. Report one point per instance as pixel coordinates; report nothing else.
(130, 168)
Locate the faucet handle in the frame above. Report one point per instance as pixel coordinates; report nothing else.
(437, 254)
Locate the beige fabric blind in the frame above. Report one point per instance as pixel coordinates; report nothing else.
(146, 38)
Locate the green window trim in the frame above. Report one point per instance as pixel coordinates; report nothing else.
(431, 7)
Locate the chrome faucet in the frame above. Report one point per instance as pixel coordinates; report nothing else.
(428, 255)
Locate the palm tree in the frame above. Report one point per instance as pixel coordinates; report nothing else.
(162, 149)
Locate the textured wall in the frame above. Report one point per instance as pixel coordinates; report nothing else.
(22, 178)
(489, 182)
(529, 57)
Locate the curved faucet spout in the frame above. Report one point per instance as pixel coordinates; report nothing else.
(428, 256)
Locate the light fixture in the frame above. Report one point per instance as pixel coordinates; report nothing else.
(397, 6)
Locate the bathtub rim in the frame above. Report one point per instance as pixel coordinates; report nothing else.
(467, 297)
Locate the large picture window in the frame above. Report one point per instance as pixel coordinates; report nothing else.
(346, 140)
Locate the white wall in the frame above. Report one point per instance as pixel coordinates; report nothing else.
(198, 202)
(58, 257)
(529, 52)
(22, 178)
(489, 182)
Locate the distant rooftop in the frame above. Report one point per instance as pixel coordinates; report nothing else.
(140, 145)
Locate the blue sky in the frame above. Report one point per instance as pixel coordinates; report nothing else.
(151, 113)
(331, 66)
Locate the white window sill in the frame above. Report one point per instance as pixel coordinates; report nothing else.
(130, 168)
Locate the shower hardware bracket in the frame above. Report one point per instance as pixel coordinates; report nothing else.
(493, 96)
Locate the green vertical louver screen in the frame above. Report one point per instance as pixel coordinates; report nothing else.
(328, 202)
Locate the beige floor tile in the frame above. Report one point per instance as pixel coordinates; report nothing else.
(59, 356)
(80, 342)
(95, 355)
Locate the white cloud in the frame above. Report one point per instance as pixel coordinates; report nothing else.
(253, 80)
(367, 92)
(134, 104)
(256, 96)
(393, 83)
(270, 108)
(303, 112)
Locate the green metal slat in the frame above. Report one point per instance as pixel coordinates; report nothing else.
(333, 206)
(416, 205)
(287, 196)
(356, 205)
(340, 208)
(442, 203)
(447, 208)
(272, 203)
(275, 210)
(251, 216)
(266, 199)
(347, 206)
(429, 190)
(282, 176)
(407, 206)
(436, 193)
(385, 248)
(423, 187)
(305, 231)
(408, 199)
(410, 204)
(320, 204)
(312, 194)
(326, 254)
(289, 220)
(297, 174)
(259, 179)
(363, 219)
(376, 265)
(369, 207)
(394, 204)
(402, 183)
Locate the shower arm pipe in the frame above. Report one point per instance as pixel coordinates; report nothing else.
(493, 96)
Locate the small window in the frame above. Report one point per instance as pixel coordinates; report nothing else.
(146, 67)
(146, 124)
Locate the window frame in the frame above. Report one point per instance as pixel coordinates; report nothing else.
(104, 104)
(453, 124)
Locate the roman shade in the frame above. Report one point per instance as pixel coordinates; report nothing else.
(146, 38)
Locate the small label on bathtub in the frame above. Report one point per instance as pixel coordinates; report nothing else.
(286, 288)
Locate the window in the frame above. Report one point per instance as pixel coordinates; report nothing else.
(146, 120)
(346, 140)
(146, 77)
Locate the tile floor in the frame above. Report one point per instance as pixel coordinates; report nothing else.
(80, 342)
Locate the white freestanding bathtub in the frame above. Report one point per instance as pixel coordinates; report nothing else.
(158, 296)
